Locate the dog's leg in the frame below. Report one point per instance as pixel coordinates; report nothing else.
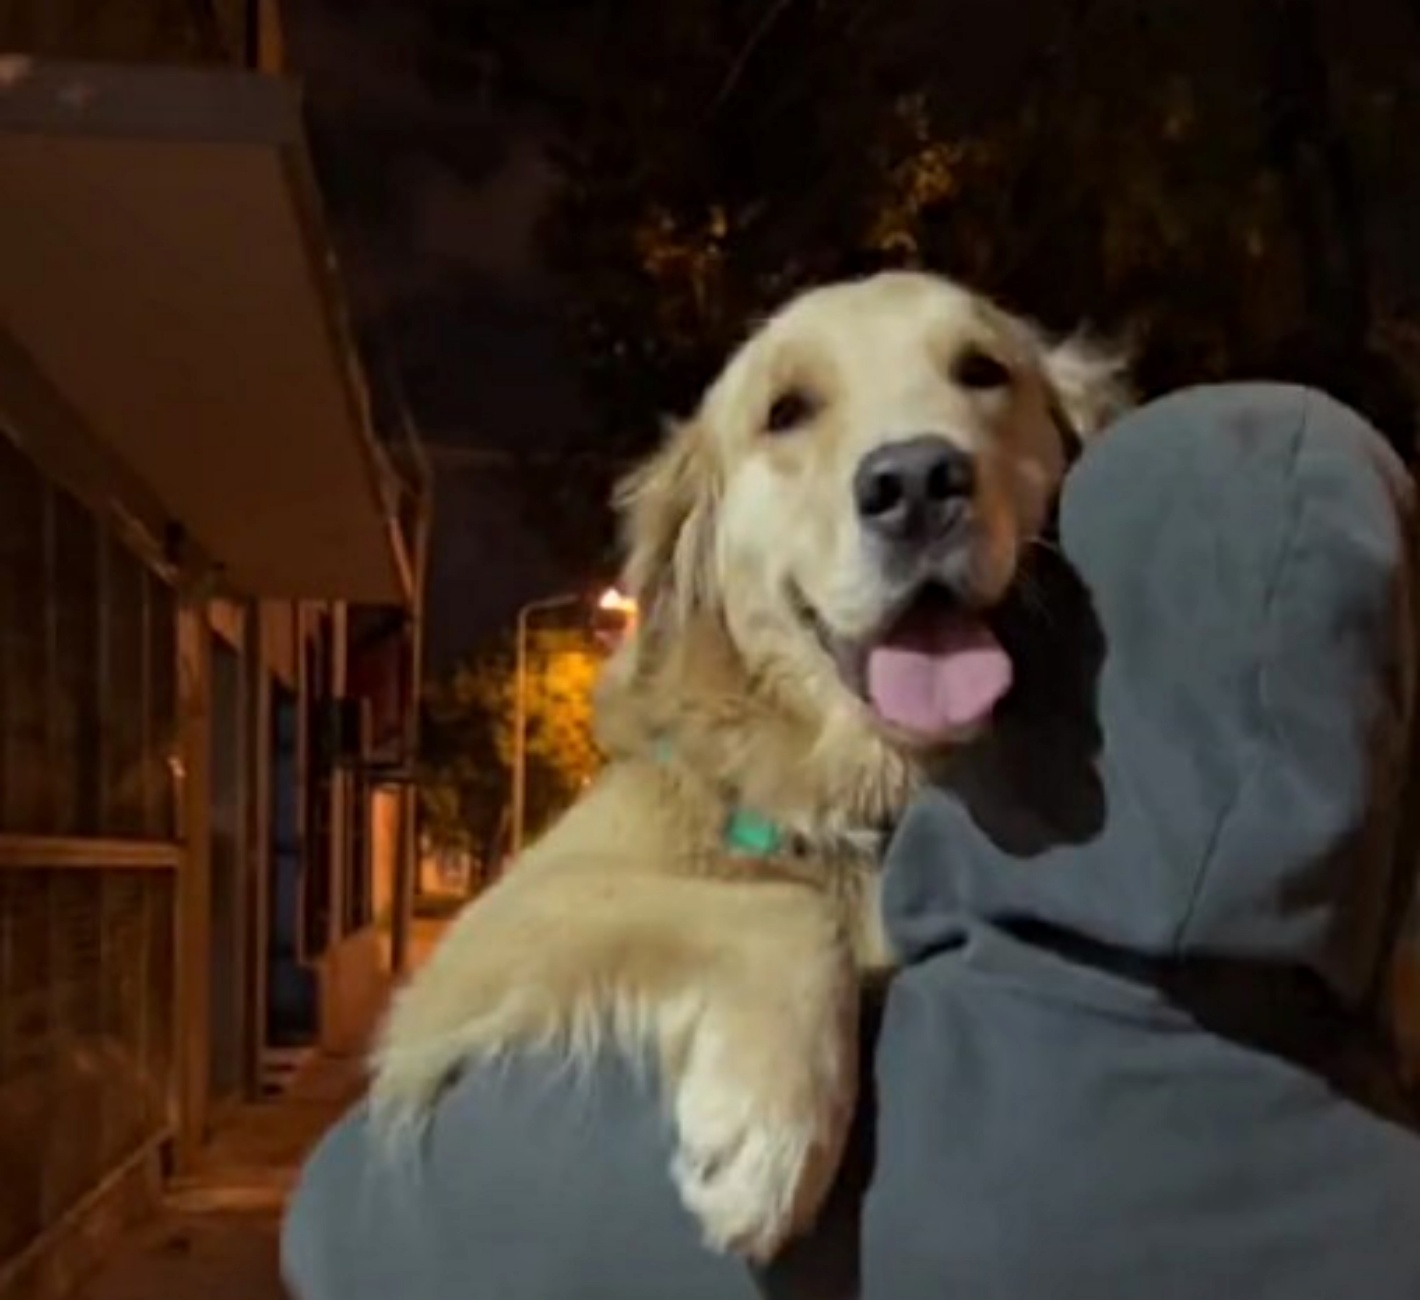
(764, 1090)
(746, 992)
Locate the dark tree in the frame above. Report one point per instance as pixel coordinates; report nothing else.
(1220, 180)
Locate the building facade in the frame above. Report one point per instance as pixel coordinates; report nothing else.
(211, 575)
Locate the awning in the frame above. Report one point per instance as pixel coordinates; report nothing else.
(163, 265)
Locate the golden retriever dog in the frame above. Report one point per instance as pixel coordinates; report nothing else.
(814, 553)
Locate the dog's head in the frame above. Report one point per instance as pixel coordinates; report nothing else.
(854, 494)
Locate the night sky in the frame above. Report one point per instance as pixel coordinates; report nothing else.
(434, 180)
(434, 183)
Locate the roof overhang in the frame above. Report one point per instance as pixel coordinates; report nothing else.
(164, 267)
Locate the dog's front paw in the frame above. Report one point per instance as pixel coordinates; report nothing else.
(752, 1181)
(762, 1114)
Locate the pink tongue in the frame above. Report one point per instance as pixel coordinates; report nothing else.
(941, 670)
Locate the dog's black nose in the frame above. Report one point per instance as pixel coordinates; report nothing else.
(915, 490)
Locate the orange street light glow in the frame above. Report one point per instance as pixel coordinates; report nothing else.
(617, 602)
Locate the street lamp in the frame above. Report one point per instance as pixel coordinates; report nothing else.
(610, 600)
(617, 602)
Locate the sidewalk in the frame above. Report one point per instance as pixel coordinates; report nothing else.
(217, 1238)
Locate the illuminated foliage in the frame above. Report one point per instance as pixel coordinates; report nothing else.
(465, 779)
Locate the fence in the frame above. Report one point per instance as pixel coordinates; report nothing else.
(86, 996)
(88, 763)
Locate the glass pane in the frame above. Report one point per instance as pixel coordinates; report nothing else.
(86, 1053)
(24, 788)
(74, 722)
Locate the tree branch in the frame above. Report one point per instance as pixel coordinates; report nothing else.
(771, 15)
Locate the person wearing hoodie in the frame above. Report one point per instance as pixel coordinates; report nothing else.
(1139, 1043)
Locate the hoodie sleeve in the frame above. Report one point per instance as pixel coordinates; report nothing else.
(529, 1185)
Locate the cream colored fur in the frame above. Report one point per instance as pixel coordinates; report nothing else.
(629, 922)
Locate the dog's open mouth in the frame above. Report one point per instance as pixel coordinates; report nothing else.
(934, 671)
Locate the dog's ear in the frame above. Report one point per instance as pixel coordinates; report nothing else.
(667, 511)
(1090, 381)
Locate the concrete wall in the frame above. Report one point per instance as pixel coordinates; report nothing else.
(354, 983)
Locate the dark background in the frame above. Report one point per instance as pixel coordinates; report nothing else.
(557, 216)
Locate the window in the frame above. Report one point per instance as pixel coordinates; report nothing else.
(86, 996)
(88, 648)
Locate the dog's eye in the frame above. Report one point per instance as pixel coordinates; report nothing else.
(979, 370)
(788, 411)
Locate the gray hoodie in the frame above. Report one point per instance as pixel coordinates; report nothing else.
(1135, 1052)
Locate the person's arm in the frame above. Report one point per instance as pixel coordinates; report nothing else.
(534, 1184)
(529, 1184)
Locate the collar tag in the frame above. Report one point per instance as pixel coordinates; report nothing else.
(752, 835)
(745, 833)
